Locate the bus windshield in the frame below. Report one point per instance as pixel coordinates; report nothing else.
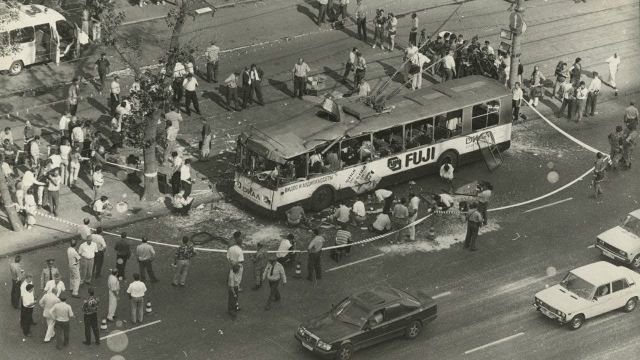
(266, 172)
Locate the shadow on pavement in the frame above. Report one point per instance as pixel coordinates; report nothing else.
(306, 11)
(282, 86)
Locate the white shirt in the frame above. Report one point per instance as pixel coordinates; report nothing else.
(613, 63)
(65, 150)
(87, 251)
(446, 174)
(185, 173)
(28, 299)
(28, 179)
(97, 239)
(446, 199)
(359, 209)
(516, 94)
(283, 248)
(84, 231)
(178, 70)
(137, 289)
(382, 194)
(364, 89)
(99, 205)
(235, 255)
(254, 75)
(64, 122)
(449, 62)
(414, 204)
(77, 134)
(595, 85)
(6, 169)
(47, 301)
(190, 84)
(113, 283)
(51, 284)
(73, 256)
(115, 87)
(55, 161)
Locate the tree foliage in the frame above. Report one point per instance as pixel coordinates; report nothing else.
(9, 12)
(110, 19)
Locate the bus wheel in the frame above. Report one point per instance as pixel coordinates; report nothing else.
(449, 156)
(322, 198)
(16, 68)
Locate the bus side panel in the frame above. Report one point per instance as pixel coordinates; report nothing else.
(26, 53)
(397, 168)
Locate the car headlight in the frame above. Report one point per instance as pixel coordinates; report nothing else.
(561, 314)
(599, 242)
(323, 345)
(623, 253)
(300, 330)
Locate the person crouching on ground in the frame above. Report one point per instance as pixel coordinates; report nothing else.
(296, 217)
(181, 203)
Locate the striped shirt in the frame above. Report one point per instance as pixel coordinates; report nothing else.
(343, 237)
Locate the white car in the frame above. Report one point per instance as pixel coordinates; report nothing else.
(589, 291)
(622, 242)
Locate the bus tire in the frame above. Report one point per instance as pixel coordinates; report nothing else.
(448, 156)
(16, 68)
(322, 198)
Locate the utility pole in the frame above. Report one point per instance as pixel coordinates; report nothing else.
(518, 27)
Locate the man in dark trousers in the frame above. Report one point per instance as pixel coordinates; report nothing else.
(102, 64)
(256, 82)
(315, 256)
(274, 272)
(90, 311)
(190, 84)
(123, 253)
(17, 275)
(231, 83)
(474, 221)
(247, 89)
(26, 311)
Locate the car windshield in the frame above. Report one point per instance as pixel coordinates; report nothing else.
(632, 224)
(578, 286)
(350, 312)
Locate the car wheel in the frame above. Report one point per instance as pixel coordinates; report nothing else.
(577, 322)
(413, 330)
(322, 198)
(630, 305)
(636, 262)
(16, 68)
(345, 352)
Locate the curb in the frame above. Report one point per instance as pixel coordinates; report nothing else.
(216, 197)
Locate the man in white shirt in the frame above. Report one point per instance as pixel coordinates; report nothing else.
(77, 136)
(300, 72)
(386, 196)
(444, 200)
(581, 98)
(213, 56)
(136, 290)
(449, 66)
(592, 98)
(62, 314)
(363, 88)
(87, 252)
(34, 152)
(185, 177)
(48, 300)
(350, 66)
(382, 223)
(190, 84)
(74, 268)
(235, 255)
(283, 248)
(113, 286)
(516, 101)
(101, 246)
(26, 311)
(172, 137)
(63, 125)
(414, 206)
(256, 74)
(56, 284)
(446, 174)
(614, 64)
(231, 93)
(341, 214)
(84, 230)
(359, 213)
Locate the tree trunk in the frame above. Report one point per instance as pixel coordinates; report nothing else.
(12, 214)
(151, 191)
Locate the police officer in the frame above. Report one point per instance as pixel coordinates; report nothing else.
(474, 221)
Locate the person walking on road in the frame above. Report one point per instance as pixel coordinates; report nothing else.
(145, 254)
(213, 57)
(113, 286)
(322, 11)
(56, 283)
(48, 300)
(123, 253)
(73, 96)
(581, 100)
(616, 139)
(361, 20)
(314, 265)
(231, 84)
(474, 221)
(62, 314)
(413, 32)
(26, 311)
(575, 72)
(235, 255)
(614, 65)
(114, 97)
(259, 264)
(300, 72)
(48, 273)
(516, 101)
(172, 138)
(256, 75)
(392, 30)
(205, 142)
(233, 283)
(485, 190)
(631, 116)
(87, 251)
(360, 68)
(344, 4)
(74, 268)
(90, 311)
(599, 173)
(274, 273)
(136, 291)
(567, 93)
(631, 137)
(101, 246)
(102, 65)
(190, 84)
(17, 276)
(537, 85)
(182, 261)
(592, 97)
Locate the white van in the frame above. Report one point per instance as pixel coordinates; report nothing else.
(40, 35)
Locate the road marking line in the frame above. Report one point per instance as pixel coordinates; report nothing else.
(446, 293)
(355, 262)
(494, 343)
(118, 332)
(547, 205)
(591, 246)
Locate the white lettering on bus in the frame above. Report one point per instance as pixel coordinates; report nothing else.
(306, 184)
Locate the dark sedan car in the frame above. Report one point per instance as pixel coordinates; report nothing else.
(365, 319)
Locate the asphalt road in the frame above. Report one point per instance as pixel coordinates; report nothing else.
(484, 297)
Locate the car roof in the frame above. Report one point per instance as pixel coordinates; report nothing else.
(635, 214)
(31, 15)
(599, 273)
(378, 297)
